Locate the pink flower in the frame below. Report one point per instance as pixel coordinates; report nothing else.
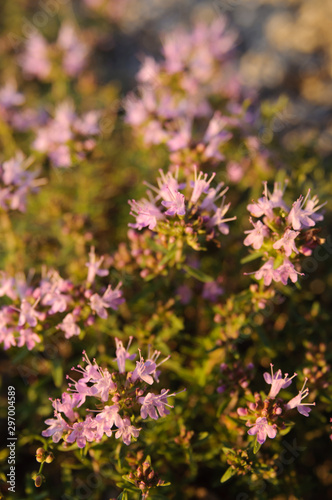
(29, 338)
(69, 326)
(175, 203)
(9, 97)
(200, 185)
(296, 401)
(151, 402)
(287, 242)
(301, 217)
(35, 60)
(99, 305)
(106, 419)
(277, 382)
(28, 314)
(263, 429)
(75, 52)
(113, 297)
(268, 202)
(126, 431)
(256, 236)
(7, 337)
(285, 271)
(266, 272)
(211, 291)
(144, 370)
(122, 354)
(83, 432)
(146, 213)
(67, 405)
(57, 426)
(218, 218)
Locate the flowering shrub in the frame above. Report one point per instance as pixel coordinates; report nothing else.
(123, 211)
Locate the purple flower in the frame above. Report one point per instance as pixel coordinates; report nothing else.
(7, 286)
(296, 401)
(35, 61)
(99, 305)
(268, 202)
(57, 426)
(175, 203)
(287, 242)
(108, 417)
(285, 271)
(83, 432)
(262, 428)
(146, 214)
(126, 431)
(181, 138)
(122, 354)
(104, 385)
(9, 97)
(147, 371)
(29, 338)
(113, 297)
(57, 300)
(69, 326)
(200, 185)
(266, 272)
(28, 314)
(302, 218)
(151, 402)
(7, 337)
(277, 381)
(67, 405)
(212, 195)
(256, 236)
(211, 291)
(218, 218)
(144, 370)
(75, 52)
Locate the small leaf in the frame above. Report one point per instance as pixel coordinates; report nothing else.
(196, 273)
(251, 257)
(127, 478)
(257, 446)
(202, 435)
(228, 474)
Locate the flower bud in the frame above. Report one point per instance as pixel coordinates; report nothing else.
(49, 459)
(40, 455)
(151, 475)
(139, 473)
(146, 467)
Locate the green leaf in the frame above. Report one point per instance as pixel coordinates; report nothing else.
(123, 495)
(257, 446)
(127, 478)
(222, 406)
(251, 257)
(228, 474)
(196, 273)
(203, 435)
(57, 373)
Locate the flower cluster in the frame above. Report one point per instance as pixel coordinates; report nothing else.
(53, 301)
(234, 375)
(66, 138)
(265, 417)
(198, 209)
(122, 399)
(41, 60)
(276, 231)
(175, 93)
(16, 182)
